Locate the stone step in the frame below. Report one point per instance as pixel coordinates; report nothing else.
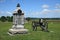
(18, 31)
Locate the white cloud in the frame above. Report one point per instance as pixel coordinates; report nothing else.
(57, 6)
(56, 11)
(8, 12)
(45, 6)
(45, 11)
(1, 12)
(5, 13)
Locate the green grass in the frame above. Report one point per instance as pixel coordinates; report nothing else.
(32, 35)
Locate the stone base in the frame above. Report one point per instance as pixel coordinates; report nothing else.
(18, 31)
(17, 27)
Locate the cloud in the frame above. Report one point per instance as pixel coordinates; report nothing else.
(1, 12)
(45, 11)
(5, 13)
(45, 6)
(8, 12)
(56, 11)
(57, 6)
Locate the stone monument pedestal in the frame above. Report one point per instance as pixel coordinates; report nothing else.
(18, 31)
(18, 21)
(18, 27)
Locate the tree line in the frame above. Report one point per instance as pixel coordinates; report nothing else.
(6, 18)
(10, 18)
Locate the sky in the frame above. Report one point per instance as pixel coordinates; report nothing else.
(32, 8)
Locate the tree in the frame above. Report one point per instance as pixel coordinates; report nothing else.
(3, 18)
(9, 19)
(0, 18)
(28, 18)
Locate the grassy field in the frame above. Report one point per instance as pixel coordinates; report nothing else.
(32, 35)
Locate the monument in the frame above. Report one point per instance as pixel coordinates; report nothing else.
(18, 22)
